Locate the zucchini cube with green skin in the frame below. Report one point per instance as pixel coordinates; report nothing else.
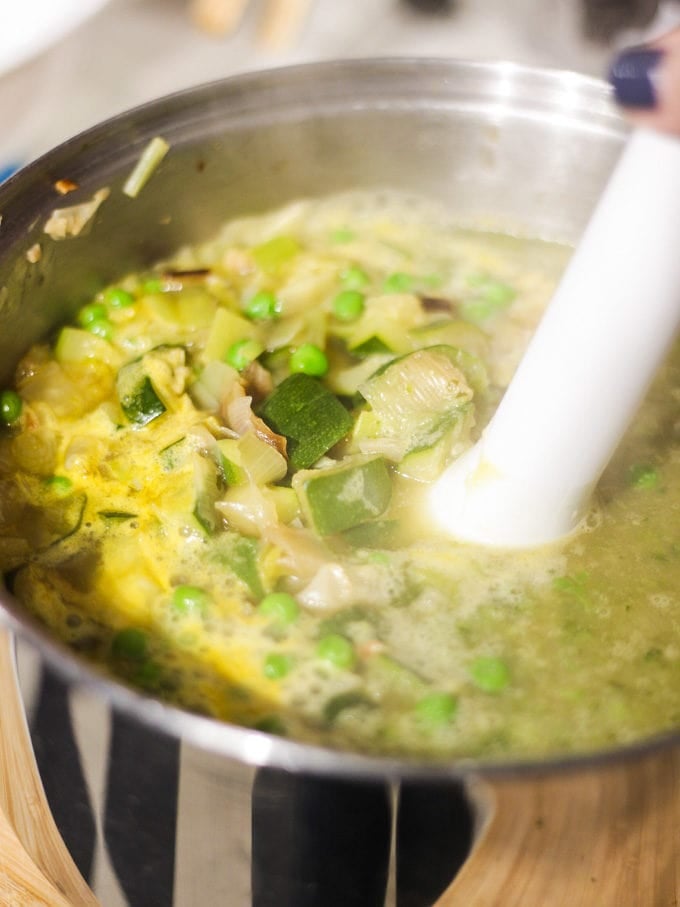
(341, 497)
(137, 395)
(311, 418)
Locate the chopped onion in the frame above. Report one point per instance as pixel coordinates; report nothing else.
(34, 254)
(65, 222)
(150, 158)
(262, 462)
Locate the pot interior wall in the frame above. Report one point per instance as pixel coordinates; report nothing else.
(502, 147)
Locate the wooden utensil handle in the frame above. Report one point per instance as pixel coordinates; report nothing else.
(35, 866)
(604, 837)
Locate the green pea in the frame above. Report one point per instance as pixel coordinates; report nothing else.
(498, 294)
(117, 297)
(130, 643)
(100, 327)
(490, 673)
(262, 306)
(399, 283)
(154, 285)
(437, 709)
(336, 650)
(277, 665)
(643, 476)
(348, 305)
(95, 311)
(309, 360)
(280, 606)
(11, 406)
(190, 600)
(243, 352)
(60, 485)
(354, 278)
(343, 235)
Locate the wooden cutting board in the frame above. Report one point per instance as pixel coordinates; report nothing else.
(604, 837)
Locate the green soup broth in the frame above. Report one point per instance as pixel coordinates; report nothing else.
(218, 490)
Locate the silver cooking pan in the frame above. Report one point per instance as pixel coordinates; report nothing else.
(160, 807)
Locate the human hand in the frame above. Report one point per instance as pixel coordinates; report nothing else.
(646, 82)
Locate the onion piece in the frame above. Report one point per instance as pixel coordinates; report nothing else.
(66, 222)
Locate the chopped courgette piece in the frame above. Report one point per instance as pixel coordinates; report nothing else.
(311, 418)
(387, 678)
(418, 397)
(336, 499)
(240, 556)
(208, 487)
(339, 703)
(138, 398)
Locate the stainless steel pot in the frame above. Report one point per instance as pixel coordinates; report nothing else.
(158, 806)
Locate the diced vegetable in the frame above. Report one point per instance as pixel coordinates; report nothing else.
(117, 298)
(130, 643)
(10, 407)
(261, 461)
(190, 600)
(643, 475)
(227, 328)
(243, 352)
(490, 673)
(208, 489)
(336, 499)
(277, 665)
(273, 253)
(280, 606)
(262, 306)
(309, 360)
(490, 296)
(387, 678)
(437, 709)
(74, 345)
(348, 305)
(148, 161)
(137, 395)
(308, 415)
(418, 397)
(336, 650)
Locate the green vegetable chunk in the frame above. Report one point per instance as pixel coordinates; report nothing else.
(643, 476)
(262, 306)
(309, 360)
(280, 606)
(117, 298)
(273, 253)
(437, 709)
(243, 352)
(277, 665)
(10, 407)
(348, 305)
(344, 496)
(490, 673)
(137, 395)
(354, 278)
(308, 415)
(92, 312)
(336, 650)
(190, 600)
(130, 644)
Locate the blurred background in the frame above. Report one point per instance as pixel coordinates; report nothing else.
(67, 64)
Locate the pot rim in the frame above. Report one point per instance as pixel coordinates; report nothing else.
(581, 96)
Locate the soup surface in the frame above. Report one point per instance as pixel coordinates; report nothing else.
(214, 482)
